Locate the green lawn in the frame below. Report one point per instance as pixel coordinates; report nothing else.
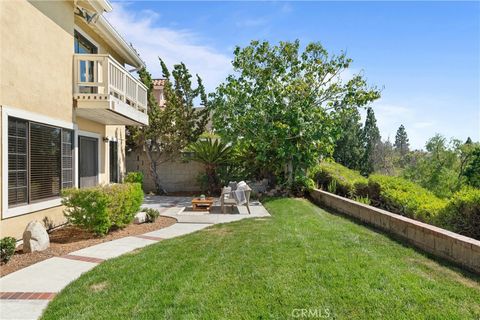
(301, 258)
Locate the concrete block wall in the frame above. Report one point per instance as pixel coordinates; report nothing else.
(176, 176)
(451, 246)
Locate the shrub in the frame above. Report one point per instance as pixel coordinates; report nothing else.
(152, 214)
(134, 177)
(403, 197)
(87, 208)
(301, 185)
(100, 208)
(462, 213)
(7, 248)
(338, 179)
(364, 200)
(124, 201)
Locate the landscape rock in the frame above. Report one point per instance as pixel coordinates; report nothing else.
(140, 217)
(35, 237)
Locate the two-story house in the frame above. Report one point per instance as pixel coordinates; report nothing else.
(66, 94)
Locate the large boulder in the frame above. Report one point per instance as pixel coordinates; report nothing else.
(35, 237)
(140, 217)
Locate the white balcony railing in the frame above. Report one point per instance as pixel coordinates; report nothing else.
(98, 77)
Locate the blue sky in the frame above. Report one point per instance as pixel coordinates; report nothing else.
(425, 55)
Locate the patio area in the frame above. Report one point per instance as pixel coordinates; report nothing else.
(180, 208)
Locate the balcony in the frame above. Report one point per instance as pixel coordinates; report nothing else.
(106, 92)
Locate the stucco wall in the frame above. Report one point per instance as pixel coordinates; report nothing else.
(36, 57)
(36, 75)
(451, 246)
(176, 176)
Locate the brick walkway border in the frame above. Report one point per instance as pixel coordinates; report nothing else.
(141, 236)
(82, 258)
(27, 295)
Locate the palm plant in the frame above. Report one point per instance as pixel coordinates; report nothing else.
(212, 154)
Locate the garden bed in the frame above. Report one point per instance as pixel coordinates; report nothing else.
(71, 238)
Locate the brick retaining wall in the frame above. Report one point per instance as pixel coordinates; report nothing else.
(451, 246)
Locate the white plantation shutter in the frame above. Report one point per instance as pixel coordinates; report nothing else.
(40, 161)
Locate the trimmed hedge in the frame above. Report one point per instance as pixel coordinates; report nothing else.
(101, 208)
(339, 179)
(404, 197)
(462, 213)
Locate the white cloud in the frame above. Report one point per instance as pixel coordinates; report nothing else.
(252, 22)
(423, 124)
(172, 45)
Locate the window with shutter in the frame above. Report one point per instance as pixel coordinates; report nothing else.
(40, 161)
(67, 159)
(17, 162)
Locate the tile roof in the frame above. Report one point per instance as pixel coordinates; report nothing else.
(159, 82)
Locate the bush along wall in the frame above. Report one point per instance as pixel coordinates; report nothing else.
(404, 197)
(460, 214)
(102, 208)
(335, 178)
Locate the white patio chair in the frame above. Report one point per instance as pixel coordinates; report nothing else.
(227, 198)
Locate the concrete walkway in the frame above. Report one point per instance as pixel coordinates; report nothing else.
(25, 294)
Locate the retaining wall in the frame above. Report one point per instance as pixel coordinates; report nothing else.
(451, 246)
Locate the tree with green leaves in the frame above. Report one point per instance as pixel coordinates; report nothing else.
(212, 154)
(279, 104)
(438, 168)
(401, 141)
(172, 128)
(348, 149)
(370, 138)
(384, 158)
(472, 169)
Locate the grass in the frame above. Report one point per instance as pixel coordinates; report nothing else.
(301, 258)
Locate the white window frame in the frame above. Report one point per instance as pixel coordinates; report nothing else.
(87, 36)
(8, 111)
(99, 153)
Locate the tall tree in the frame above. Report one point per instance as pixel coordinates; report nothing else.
(384, 158)
(370, 139)
(472, 170)
(348, 146)
(401, 141)
(279, 103)
(437, 169)
(172, 128)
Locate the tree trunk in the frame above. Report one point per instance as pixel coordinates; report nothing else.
(153, 169)
(289, 172)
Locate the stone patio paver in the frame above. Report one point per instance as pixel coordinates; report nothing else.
(50, 275)
(114, 248)
(22, 309)
(178, 229)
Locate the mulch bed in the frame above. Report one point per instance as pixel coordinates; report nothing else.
(70, 238)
